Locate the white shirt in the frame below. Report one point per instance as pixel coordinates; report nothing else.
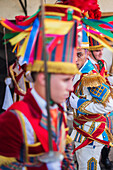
(40, 101)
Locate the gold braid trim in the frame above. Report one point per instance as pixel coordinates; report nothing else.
(96, 47)
(68, 139)
(82, 107)
(111, 90)
(92, 80)
(63, 6)
(54, 67)
(105, 101)
(87, 119)
(90, 130)
(110, 136)
(6, 160)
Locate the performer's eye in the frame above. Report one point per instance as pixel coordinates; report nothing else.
(79, 54)
(67, 79)
(97, 50)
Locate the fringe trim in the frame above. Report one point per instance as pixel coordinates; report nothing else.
(68, 139)
(92, 80)
(54, 67)
(111, 92)
(96, 47)
(6, 160)
(111, 71)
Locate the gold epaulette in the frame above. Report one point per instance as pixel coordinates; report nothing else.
(6, 160)
(92, 80)
(68, 139)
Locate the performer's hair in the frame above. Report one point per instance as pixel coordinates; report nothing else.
(33, 75)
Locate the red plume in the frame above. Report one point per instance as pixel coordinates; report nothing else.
(84, 5)
(20, 18)
(95, 14)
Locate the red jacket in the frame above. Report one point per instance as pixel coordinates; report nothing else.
(13, 144)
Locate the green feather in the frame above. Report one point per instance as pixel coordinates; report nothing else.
(96, 26)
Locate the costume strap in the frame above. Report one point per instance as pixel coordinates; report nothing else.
(90, 137)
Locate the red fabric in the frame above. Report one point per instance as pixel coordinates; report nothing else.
(61, 10)
(18, 77)
(11, 137)
(95, 134)
(106, 26)
(11, 144)
(20, 18)
(83, 5)
(102, 72)
(95, 13)
(24, 66)
(32, 111)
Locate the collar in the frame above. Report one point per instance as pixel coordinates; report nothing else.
(83, 66)
(42, 103)
(86, 68)
(77, 76)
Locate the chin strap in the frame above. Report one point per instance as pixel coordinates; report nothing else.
(100, 63)
(49, 91)
(93, 55)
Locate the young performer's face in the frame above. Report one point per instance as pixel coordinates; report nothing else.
(61, 85)
(98, 54)
(81, 57)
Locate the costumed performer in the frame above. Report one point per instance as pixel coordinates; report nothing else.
(95, 56)
(91, 100)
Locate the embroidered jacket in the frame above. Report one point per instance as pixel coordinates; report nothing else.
(109, 80)
(89, 121)
(27, 135)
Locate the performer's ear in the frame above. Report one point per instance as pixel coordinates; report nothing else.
(89, 53)
(41, 78)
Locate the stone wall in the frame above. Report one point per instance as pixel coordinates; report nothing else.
(10, 8)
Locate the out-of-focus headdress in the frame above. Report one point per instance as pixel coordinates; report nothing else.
(60, 34)
(94, 45)
(83, 41)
